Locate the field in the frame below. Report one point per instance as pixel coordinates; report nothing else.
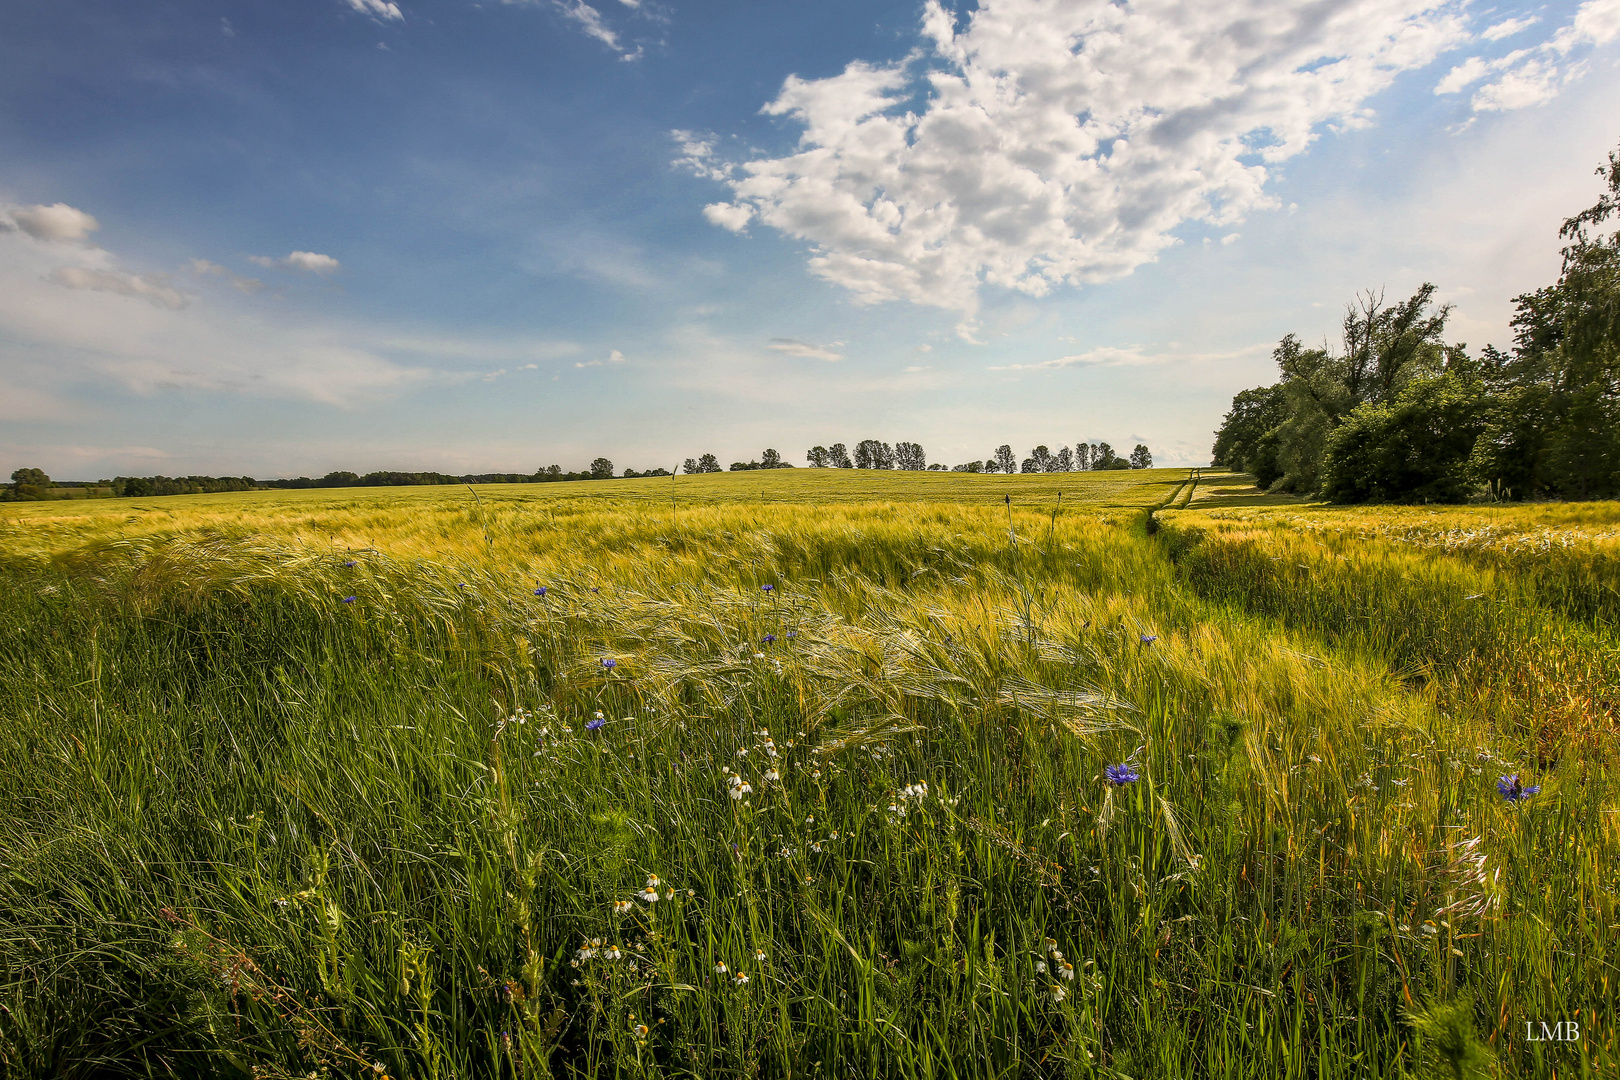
(805, 775)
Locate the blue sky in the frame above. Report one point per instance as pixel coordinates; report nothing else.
(279, 239)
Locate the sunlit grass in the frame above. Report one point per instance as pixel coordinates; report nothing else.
(310, 784)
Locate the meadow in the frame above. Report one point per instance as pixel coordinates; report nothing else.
(808, 774)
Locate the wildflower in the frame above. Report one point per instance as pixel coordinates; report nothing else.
(759, 955)
(596, 724)
(640, 1031)
(759, 656)
(1120, 775)
(1065, 970)
(792, 633)
(1512, 790)
(691, 892)
(741, 978)
(815, 774)
(740, 790)
(768, 587)
(609, 663)
(594, 589)
(1148, 639)
(348, 599)
(809, 821)
(612, 952)
(815, 846)
(621, 906)
(1058, 993)
(1051, 943)
(743, 752)
(653, 881)
(349, 565)
(720, 967)
(540, 591)
(1040, 967)
(768, 638)
(773, 775)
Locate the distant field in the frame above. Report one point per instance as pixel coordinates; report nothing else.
(314, 781)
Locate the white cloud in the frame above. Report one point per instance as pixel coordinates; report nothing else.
(697, 156)
(589, 20)
(733, 216)
(307, 261)
(153, 288)
(59, 221)
(377, 9)
(1536, 74)
(805, 349)
(1063, 141)
(613, 357)
(1508, 27)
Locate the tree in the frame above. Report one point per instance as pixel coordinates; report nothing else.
(818, 457)
(708, 463)
(601, 469)
(838, 455)
(872, 454)
(971, 466)
(1102, 457)
(910, 457)
(1415, 448)
(1039, 460)
(1141, 458)
(29, 484)
(690, 467)
(770, 459)
(936, 467)
(1005, 461)
(550, 472)
(1247, 439)
(1063, 460)
(1082, 457)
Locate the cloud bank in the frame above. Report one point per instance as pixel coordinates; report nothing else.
(1062, 142)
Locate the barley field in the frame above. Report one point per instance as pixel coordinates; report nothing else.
(811, 773)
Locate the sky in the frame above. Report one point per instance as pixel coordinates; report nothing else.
(282, 239)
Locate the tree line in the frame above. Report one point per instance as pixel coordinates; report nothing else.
(910, 457)
(1395, 414)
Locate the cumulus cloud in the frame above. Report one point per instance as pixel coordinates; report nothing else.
(152, 287)
(59, 221)
(306, 261)
(805, 349)
(377, 9)
(1537, 73)
(1054, 142)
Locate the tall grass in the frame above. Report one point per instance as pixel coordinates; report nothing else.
(252, 825)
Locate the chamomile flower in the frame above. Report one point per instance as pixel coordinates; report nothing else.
(1065, 970)
(622, 906)
(720, 967)
(741, 978)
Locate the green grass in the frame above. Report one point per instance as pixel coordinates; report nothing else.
(248, 827)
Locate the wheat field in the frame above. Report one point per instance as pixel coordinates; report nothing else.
(807, 774)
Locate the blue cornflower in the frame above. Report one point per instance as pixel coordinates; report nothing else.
(1120, 775)
(349, 564)
(348, 599)
(609, 663)
(596, 590)
(595, 725)
(768, 638)
(768, 588)
(1148, 639)
(792, 634)
(541, 591)
(1512, 790)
